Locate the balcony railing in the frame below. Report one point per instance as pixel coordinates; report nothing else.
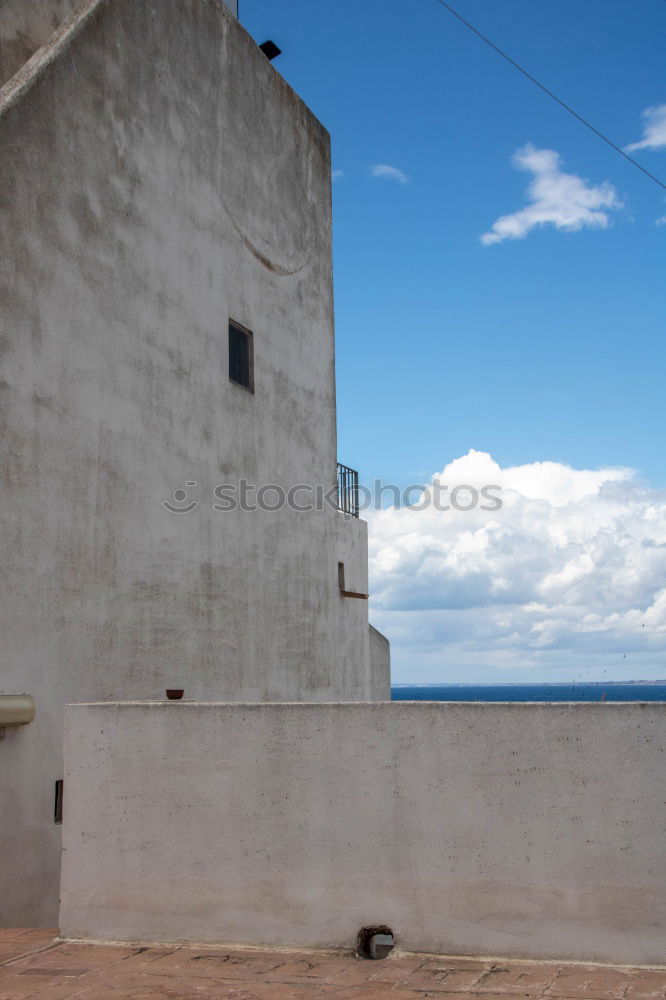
(347, 490)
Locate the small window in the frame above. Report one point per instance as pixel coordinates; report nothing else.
(57, 805)
(241, 366)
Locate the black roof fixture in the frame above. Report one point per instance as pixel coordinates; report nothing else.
(270, 49)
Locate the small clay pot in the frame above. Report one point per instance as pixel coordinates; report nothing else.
(175, 694)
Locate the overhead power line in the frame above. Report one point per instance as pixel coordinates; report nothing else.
(563, 104)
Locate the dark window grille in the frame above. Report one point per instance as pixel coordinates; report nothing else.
(347, 490)
(240, 357)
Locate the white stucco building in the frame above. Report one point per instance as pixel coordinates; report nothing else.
(166, 325)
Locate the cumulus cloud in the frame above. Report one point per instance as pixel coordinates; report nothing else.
(389, 173)
(556, 198)
(569, 576)
(654, 130)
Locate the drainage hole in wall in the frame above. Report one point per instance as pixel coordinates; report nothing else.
(375, 942)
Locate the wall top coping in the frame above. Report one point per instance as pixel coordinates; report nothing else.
(375, 706)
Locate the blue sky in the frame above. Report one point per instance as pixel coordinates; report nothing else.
(548, 348)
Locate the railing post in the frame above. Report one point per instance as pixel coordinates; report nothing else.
(348, 490)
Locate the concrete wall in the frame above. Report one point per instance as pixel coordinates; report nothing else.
(158, 178)
(380, 664)
(518, 830)
(24, 26)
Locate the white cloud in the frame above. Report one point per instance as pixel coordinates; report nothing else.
(558, 199)
(337, 175)
(654, 130)
(389, 173)
(567, 580)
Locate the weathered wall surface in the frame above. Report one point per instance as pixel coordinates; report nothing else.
(24, 26)
(380, 665)
(518, 830)
(158, 178)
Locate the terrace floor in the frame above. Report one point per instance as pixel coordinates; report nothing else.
(35, 964)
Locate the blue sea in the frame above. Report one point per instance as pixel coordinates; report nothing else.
(531, 692)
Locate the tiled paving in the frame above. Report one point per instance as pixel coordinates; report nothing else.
(34, 964)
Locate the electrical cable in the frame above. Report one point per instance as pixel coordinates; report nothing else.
(567, 107)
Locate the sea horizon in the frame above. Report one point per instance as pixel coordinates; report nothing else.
(519, 683)
(562, 691)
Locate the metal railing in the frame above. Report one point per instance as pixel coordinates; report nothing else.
(347, 490)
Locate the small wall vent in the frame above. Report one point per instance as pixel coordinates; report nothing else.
(270, 50)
